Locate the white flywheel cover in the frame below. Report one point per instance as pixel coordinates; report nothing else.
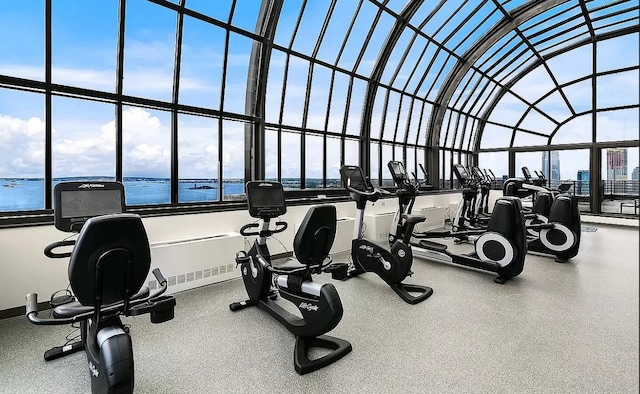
(491, 236)
(539, 220)
(571, 238)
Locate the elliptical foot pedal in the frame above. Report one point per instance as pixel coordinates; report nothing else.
(304, 365)
(433, 246)
(403, 290)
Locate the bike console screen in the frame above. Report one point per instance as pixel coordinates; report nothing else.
(353, 176)
(77, 202)
(398, 172)
(265, 199)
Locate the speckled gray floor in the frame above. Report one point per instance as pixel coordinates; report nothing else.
(558, 328)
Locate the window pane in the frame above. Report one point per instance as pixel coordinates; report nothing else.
(355, 107)
(554, 106)
(576, 130)
(271, 155)
(618, 89)
(22, 131)
(82, 59)
(198, 161)
(338, 102)
(579, 95)
(508, 111)
(333, 162)
(352, 152)
(296, 91)
(498, 162)
(232, 160)
(391, 116)
(22, 55)
(620, 125)
(291, 165)
(319, 97)
(387, 156)
(237, 73)
(535, 121)
(146, 162)
(246, 15)
(219, 9)
(494, 136)
(314, 161)
(572, 65)
(274, 86)
(83, 141)
(573, 165)
(620, 176)
(523, 138)
(609, 51)
(375, 163)
(149, 50)
(201, 63)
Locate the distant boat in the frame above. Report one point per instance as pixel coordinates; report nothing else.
(8, 185)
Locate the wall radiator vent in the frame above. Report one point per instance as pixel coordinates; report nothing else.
(195, 262)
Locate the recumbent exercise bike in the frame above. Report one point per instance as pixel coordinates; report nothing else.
(108, 265)
(319, 304)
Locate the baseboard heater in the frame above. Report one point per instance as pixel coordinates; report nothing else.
(196, 262)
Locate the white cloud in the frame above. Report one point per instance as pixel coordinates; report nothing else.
(21, 146)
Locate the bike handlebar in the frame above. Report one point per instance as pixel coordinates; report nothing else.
(48, 250)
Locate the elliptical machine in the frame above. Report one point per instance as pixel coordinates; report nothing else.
(319, 305)
(109, 263)
(553, 224)
(391, 265)
(501, 248)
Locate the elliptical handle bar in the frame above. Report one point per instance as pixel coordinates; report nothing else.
(48, 250)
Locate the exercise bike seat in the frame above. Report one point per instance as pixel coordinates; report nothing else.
(74, 308)
(413, 219)
(287, 266)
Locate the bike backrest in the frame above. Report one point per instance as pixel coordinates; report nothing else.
(316, 234)
(114, 242)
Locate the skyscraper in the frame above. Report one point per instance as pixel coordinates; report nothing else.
(582, 185)
(636, 173)
(617, 163)
(554, 174)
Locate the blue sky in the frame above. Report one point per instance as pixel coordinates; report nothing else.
(84, 54)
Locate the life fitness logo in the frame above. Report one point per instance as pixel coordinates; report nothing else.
(90, 185)
(308, 307)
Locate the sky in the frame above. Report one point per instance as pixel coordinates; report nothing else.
(84, 55)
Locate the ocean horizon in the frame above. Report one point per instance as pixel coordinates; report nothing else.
(26, 194)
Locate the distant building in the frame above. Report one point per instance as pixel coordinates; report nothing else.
(616, 164)
(582, 184)
(636, 173)
(554, 174)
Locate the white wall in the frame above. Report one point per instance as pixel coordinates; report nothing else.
(24, 268)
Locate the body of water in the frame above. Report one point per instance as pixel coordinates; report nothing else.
(25, 194)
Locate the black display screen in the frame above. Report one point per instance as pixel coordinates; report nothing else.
(76, 202)
(397, 171)
(352, 176)
(265, 199)
(89, 203)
